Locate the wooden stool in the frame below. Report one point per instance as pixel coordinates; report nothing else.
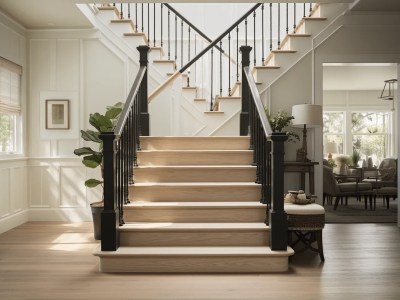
(306, 223)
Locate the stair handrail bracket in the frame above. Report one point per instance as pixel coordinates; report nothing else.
(120, 155)
(268, 155)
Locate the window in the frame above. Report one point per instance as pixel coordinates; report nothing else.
(10, 107)
(369, 133)
(334, 128)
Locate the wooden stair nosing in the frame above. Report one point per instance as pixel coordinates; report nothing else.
(214, 112)
(198, 205)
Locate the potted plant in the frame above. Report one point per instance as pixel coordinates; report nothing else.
(94, 158)
(280, 121)
(342, 163)
(355, 158)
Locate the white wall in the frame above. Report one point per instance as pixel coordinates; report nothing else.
(13, 170)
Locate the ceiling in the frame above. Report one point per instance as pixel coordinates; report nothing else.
(64, 14)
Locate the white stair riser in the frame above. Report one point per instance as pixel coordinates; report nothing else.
(155, 54)
(194, 264)
(197, 158)
(226, 237)
(194, 175)
(120, 28)
(194, 143)
(134, 41)
(189, 93)
(164, 67)
(195, 214)
(194, 194)
(312, 27)
(300, 44)
(107, 15)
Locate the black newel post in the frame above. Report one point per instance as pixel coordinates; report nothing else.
(144, 112)
(244, 115)
(277, 214)
(110, 214)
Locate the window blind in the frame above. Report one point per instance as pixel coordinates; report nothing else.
(10, 86)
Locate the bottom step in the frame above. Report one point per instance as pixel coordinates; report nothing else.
(194, 260)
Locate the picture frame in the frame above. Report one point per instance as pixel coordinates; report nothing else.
(57, 114)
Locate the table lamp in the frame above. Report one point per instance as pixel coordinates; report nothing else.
(331, 147)
(306, 116)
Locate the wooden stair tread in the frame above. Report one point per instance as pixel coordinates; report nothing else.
(164, 61)
(199, 99)
(199, 205)
(216, 112)
(315, 18)
(122, 21)
(229, 98)
(189, 88)
(267, 67)
(134, 34)
(298, 35)
(195, 151)
(195, 251)
(283, 51)
(170, 226)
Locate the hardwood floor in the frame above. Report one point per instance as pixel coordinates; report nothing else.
(43, 260)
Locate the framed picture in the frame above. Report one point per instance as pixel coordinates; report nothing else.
(57, 114)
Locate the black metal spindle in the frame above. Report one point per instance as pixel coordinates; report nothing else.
(304, 10)
(169, 35)
(237, 53)
(188, 43)
(245, 32)
(176, 38)
(121, 12)
(181, 43)
(254, 41)
(279, 26)
(270, 27)
(229, 64)
(287, 18)
(294, 17)
(154, 25)
(148, 25)
(310, 10)
(262, 34)
(212, 79)
(129, 10)
(220, 69)
(142, 19)
(114, 4)
(136, 17)
(162, 25)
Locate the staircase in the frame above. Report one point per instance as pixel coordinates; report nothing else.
(194, 208)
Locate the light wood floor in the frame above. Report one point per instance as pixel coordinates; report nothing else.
(54, 261)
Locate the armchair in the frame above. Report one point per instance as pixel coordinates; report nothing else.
(331, 188)
(384, 176)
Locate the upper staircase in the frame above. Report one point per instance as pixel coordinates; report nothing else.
(194, 207)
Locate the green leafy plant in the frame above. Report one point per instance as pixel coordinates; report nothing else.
(280, 121)
(355, 157)
(102, 123)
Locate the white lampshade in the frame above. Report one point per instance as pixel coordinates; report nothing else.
(331, 147)
(307, 114)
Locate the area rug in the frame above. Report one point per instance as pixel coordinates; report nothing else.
(355, 212)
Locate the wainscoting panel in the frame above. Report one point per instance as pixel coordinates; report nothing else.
(73, 191)
(5, 192)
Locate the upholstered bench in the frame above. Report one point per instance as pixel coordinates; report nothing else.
(306, 222)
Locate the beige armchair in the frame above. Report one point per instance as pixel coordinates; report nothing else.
(384, 176)
(331, 188)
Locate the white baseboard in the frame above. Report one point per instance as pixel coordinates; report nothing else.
(60, 214)
(14, 220)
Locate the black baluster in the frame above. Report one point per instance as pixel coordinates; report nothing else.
(162, 25)
(148, 25)
(136, 17)
(181, 43)
(287, 18)
(188, 43)
(129, 10)
(279, 26)
(237, 53)
(294, 17)
(176, 38)
(270, 27)
(229, 64)
(154, 25)
(254, 41)
(212, 75)
(304, 10)
(262, 35)
(245, 31)
(114, 4)
(310, 10)
(121, 13)
(169, 36)
(142, 19)
(220, 69)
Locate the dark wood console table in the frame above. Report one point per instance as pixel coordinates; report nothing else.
(302, 168)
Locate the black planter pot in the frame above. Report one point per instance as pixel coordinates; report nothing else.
(97, 208)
